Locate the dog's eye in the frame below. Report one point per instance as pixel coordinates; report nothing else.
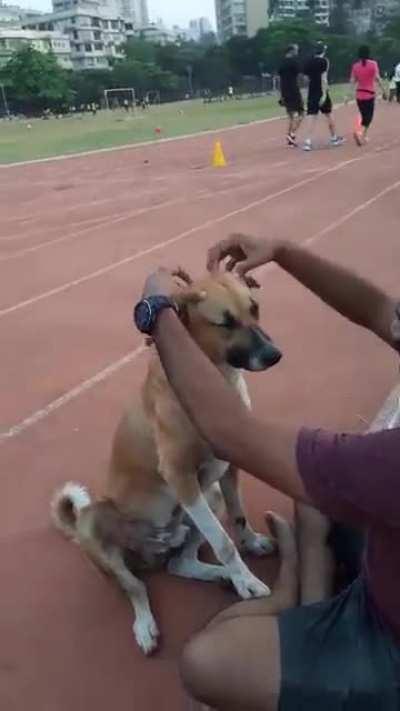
(230, 321)
(255, 310)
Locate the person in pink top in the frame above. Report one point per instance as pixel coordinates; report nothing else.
(365, 75)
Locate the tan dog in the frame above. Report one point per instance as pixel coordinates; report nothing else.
(163, 477)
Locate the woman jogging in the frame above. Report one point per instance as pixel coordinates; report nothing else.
(365, 75)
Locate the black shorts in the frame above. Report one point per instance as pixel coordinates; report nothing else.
(367, 110)
(293, 104)
(337, 656)
(314, 106)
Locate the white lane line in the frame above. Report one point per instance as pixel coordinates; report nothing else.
(111, 221)
(99, 223)
(173, 240)
(338, 223)
(113, 368)
(150, 142)
(354, 212)
(83, 387)
(143, 144)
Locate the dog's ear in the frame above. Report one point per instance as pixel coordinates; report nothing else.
(250, 282)
(189, 295)
(183, 276)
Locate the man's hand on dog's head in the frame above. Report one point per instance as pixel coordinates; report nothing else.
(243, 253)
(175, 284)
(160, 283)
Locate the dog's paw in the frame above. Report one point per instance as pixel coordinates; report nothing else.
(146, 634)
(180, 536)
(248, 586)
(258, 545)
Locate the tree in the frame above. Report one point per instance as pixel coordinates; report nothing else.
(139, 50)
(35, 81)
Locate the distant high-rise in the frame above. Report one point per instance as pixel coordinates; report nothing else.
(199, 28)
(288, 9)
(240, 17)
(362, 16)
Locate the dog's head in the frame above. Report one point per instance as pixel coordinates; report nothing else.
(221, 313)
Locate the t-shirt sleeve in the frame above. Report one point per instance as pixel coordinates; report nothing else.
(352, 478)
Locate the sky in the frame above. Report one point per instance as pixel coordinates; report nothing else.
(176, 12)
(173, 12)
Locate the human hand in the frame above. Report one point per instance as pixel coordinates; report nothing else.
(175, 284)
(244, 252)
(160, 283)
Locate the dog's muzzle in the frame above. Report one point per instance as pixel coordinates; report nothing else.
(257, 353)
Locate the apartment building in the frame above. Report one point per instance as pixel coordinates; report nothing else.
(288, 9)
(240, 17)
(14, 39)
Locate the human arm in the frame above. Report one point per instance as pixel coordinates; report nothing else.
(381, 83)
(349, 294)
(265, 449)
(352, 478)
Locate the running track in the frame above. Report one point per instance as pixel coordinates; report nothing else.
(77, 238)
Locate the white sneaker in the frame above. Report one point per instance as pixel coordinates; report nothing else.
(337, 141)
(307, 145)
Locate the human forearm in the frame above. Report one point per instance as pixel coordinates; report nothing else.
(265, 450)
(346, 292)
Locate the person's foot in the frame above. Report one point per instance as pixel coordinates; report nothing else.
(307, 146)
(358, 139)
(291, 140)
(337, 140)
(284, 536)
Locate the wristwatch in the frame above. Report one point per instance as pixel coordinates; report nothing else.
(147, 311)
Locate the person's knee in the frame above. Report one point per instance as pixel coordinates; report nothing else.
(197, 665)
(313, 527)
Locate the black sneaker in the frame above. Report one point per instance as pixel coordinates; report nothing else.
(291, 140)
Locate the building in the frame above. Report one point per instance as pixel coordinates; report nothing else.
(13, 15)
(143, 13)
(95, 31)
(289, 9)
(362, 16)
(199, 28)
(240, 17)
(158, 33)
(11, 40)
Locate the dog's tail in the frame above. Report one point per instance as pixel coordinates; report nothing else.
(66, 505)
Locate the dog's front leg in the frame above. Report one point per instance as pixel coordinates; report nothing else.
(195, 504)
(246, 538)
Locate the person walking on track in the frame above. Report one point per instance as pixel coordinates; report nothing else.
(291, 97)
(397, 80)
(319, 100)
(365, 75)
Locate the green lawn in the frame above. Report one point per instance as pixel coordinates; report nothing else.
(18, 142)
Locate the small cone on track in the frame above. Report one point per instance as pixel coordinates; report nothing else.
(218, 156)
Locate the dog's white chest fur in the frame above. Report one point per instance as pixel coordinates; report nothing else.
(212, 470)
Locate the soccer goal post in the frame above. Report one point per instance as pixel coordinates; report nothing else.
(119, 98)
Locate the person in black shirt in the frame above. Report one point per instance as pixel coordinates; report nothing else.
(319, 100)
(291, 97)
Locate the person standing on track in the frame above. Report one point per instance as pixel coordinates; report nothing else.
(319, 100)
(365, 75)
(397, 80)
(291, 97)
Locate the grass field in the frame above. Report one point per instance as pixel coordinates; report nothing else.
(18, 142)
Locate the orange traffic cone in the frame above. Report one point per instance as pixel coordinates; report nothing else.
(218, 156)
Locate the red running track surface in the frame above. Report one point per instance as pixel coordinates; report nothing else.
(77, 238)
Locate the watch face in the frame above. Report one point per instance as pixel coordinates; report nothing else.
(143, 316)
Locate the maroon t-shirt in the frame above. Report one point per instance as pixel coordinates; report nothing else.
(355, 479)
